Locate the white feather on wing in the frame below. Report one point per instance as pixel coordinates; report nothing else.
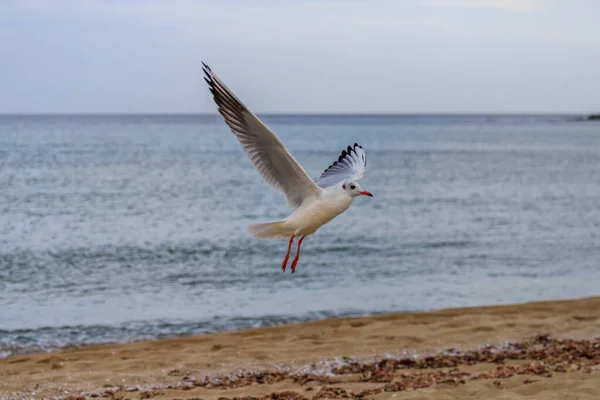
(264, 149)
(350, 165)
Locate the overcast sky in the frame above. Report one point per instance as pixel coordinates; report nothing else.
(301, 56)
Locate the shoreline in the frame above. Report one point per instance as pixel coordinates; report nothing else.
(37, 350)
(308, 346)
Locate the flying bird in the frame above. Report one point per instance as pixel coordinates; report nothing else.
(313, 202)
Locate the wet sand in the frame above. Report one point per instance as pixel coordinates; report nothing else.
(555, 354)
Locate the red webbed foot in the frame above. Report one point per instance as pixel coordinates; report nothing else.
(295, 261)
(287, 256)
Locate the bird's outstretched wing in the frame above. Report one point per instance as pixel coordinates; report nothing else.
(350, 165)
(264, 149)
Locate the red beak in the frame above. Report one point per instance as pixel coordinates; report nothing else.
(365, 193)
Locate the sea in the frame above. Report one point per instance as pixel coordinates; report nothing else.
(117, 228)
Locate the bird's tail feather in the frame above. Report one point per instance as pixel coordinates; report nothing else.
(275, 230)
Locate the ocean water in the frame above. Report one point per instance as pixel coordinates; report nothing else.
(119, 228)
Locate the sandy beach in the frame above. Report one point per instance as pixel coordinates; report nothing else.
(555, 353)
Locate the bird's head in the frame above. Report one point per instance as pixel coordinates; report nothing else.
(353, 189)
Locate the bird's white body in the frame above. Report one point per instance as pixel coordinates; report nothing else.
(308, 218)
(313, 202)
(312, 214)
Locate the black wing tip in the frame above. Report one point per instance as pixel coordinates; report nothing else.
(209, 74)
(351, 149)
(346, 153)
(208, 77)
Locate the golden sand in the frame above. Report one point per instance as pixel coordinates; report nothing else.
(342, 358)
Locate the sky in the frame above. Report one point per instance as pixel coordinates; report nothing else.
(301, 56)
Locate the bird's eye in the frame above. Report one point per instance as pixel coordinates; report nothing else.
(352, 187)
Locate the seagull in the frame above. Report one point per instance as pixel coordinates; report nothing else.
(313, 203)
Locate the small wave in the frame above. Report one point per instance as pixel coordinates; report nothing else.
(443, 244)
(45, 339)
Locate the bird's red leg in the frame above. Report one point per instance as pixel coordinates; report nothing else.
(287, 256)
(295, 261)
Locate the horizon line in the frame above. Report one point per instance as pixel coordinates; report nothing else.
(285, 114)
